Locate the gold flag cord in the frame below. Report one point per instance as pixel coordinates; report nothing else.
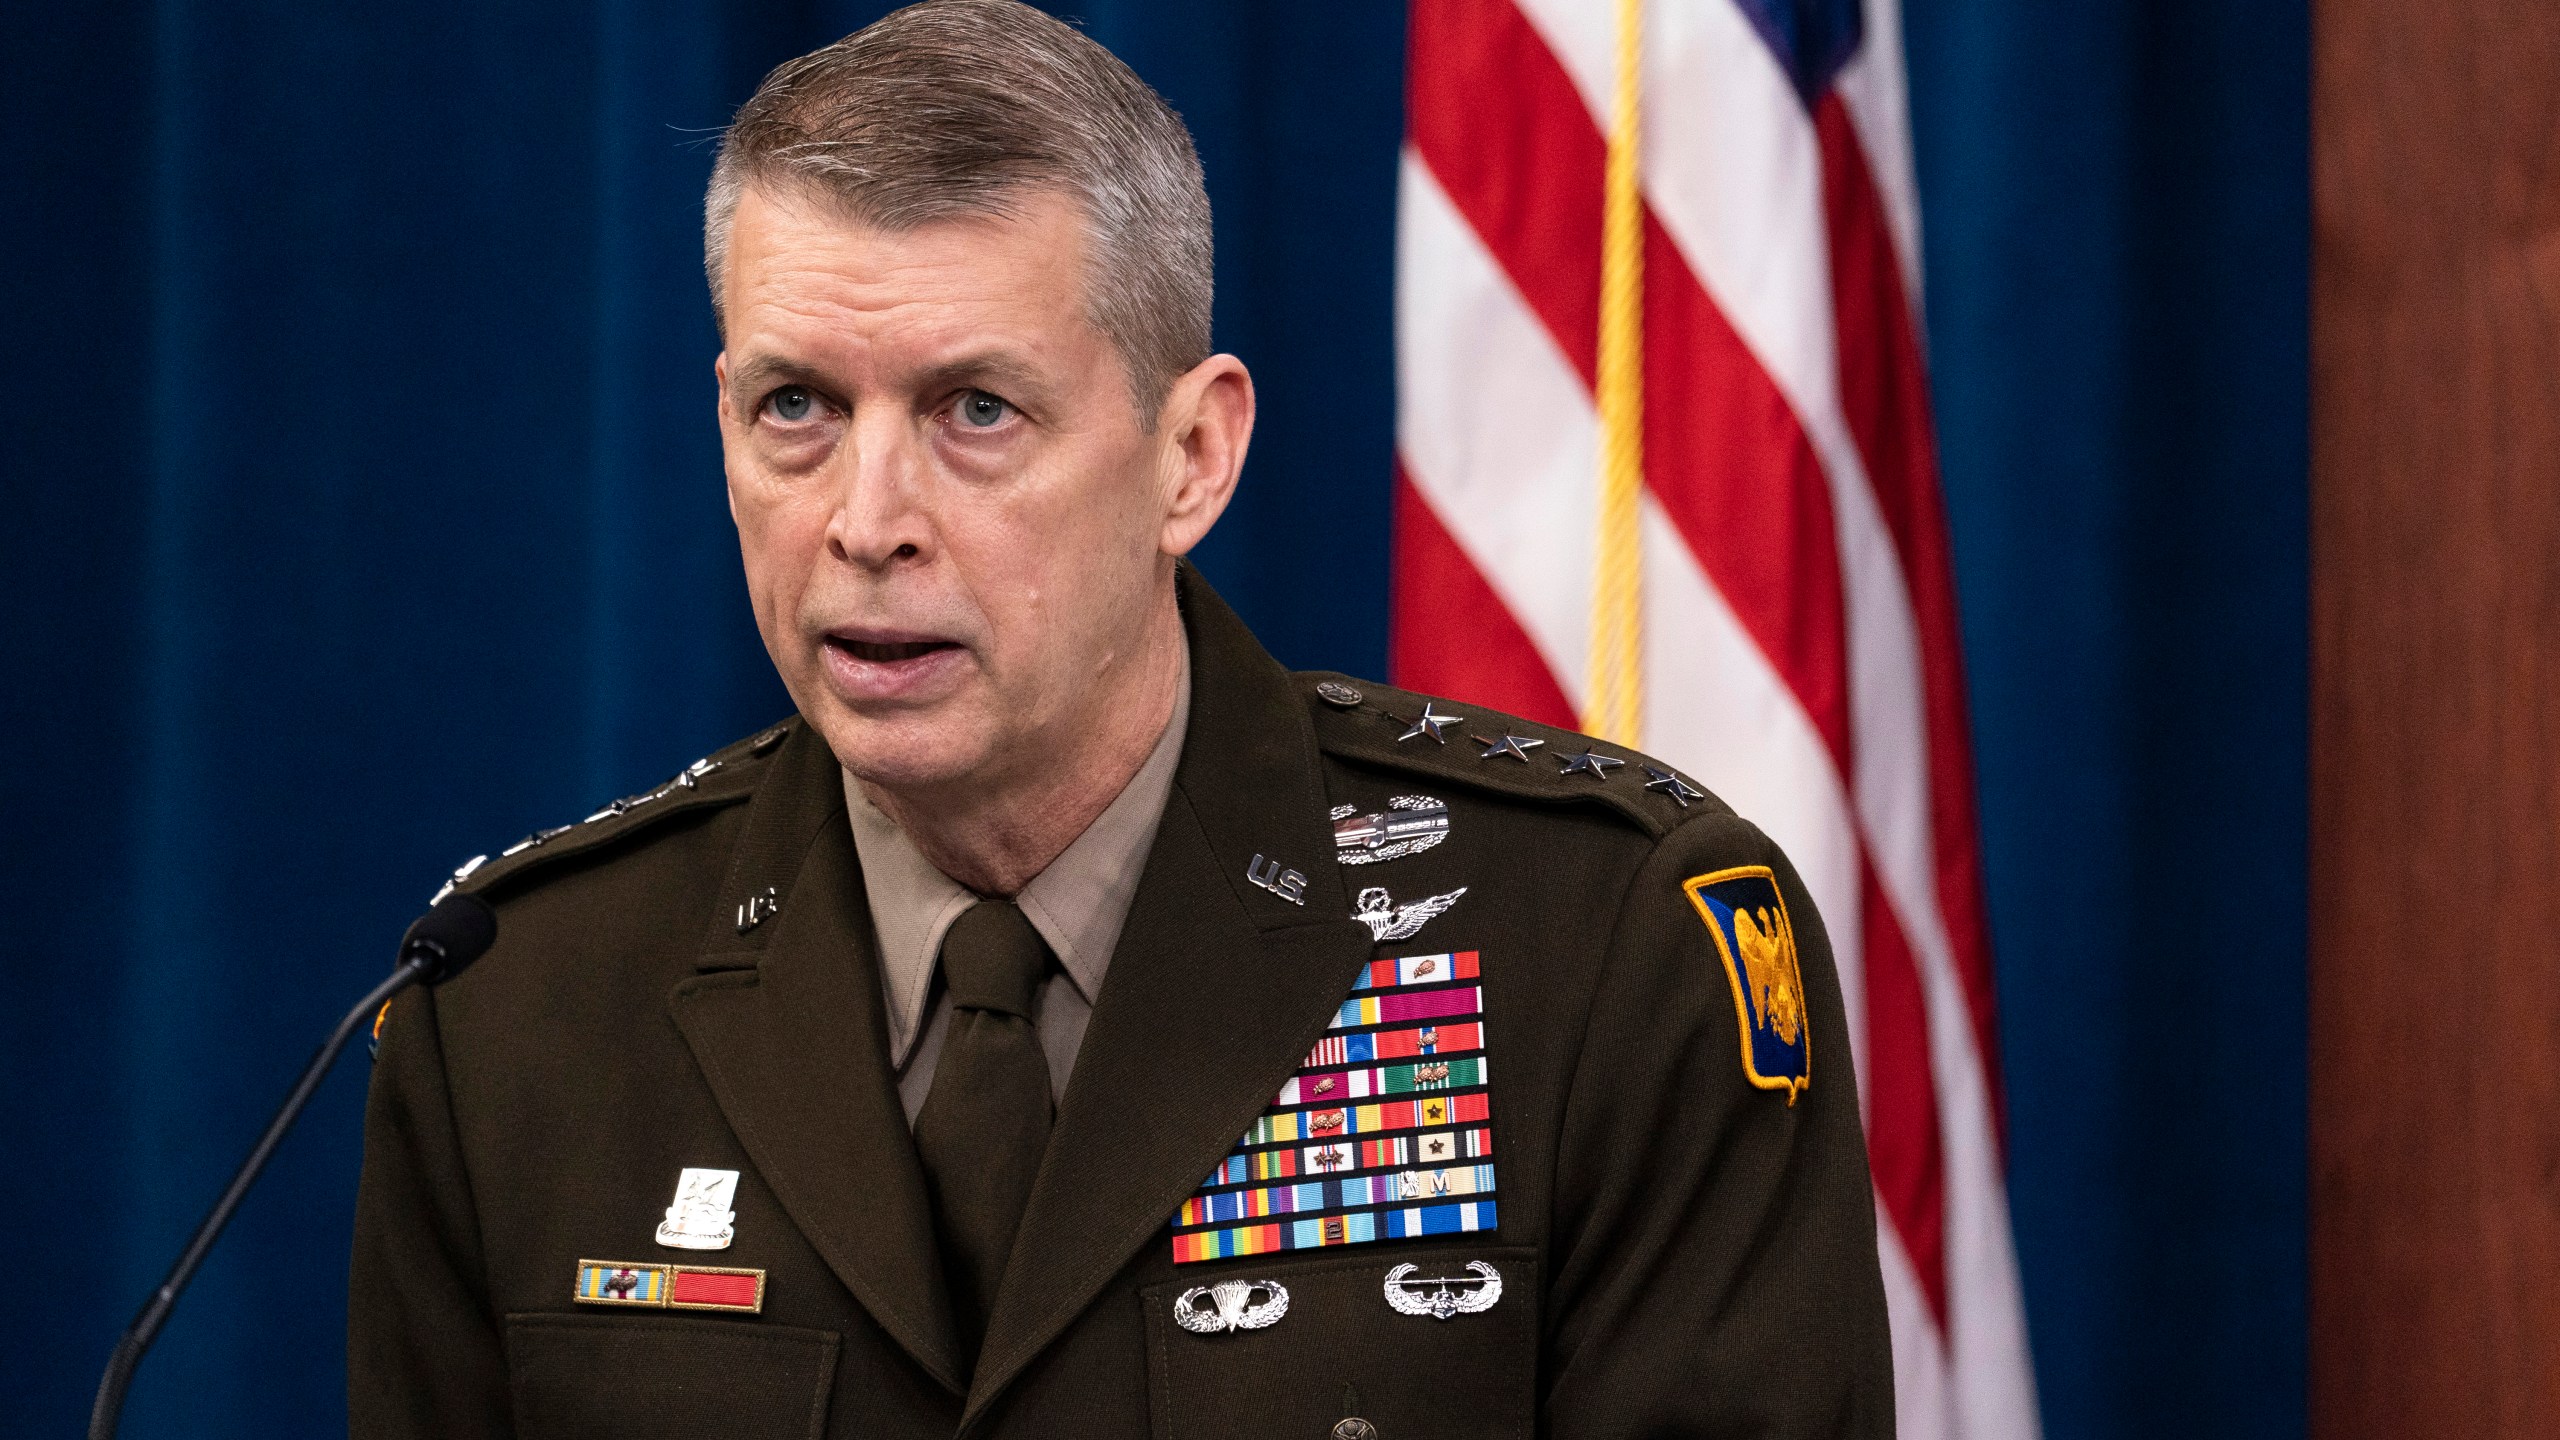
(1614, 708)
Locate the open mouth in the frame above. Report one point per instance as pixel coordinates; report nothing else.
(885, 666)
(889, 652)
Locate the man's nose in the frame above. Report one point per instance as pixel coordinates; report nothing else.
(881, 518)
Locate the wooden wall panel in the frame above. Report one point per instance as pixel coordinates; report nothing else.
(2435, 985)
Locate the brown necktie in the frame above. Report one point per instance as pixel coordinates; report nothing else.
(986, 1119)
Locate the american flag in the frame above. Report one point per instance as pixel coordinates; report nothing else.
(1703, 518)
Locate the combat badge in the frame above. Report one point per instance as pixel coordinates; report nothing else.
(1409, 825)
(1757, 942)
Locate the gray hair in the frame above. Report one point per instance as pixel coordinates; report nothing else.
(963, 107)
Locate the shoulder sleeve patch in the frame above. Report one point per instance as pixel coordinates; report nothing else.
(1757, 943)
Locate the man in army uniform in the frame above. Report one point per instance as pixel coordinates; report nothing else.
(862, 1079)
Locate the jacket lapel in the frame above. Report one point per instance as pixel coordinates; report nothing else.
(1216, 992)
(786, 1023)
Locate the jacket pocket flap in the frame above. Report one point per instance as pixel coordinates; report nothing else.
(629, 1377)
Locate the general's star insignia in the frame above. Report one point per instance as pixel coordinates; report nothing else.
(1515, 746)
(1671, 785)
(1591, 763)
(1430, 722)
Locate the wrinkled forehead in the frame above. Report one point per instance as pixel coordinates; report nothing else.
(807, 252)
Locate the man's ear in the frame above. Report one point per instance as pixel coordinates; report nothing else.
(1205, 424)
(720, 417)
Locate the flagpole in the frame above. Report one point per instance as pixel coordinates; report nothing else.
(1614, 708)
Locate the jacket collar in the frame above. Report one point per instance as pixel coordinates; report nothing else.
(1218, 987)
(1217, 990)
(787, 1022)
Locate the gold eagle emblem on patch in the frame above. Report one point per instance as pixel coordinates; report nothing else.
(1757, 943)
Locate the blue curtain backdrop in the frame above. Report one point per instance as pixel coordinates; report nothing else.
(362, 511)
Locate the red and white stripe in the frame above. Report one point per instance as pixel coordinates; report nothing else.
(1800, 648)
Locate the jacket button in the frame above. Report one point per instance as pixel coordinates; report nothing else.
(1354, 1428)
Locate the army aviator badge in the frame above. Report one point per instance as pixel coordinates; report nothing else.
(1757, 942)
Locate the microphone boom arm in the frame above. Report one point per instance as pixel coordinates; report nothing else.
(423, 958)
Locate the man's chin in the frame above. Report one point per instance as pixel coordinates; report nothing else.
(912, 752)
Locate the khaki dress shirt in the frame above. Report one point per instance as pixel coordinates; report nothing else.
(1078, 905)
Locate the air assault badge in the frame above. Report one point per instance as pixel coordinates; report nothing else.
(1757, 942)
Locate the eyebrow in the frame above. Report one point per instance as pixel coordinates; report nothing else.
(994, 370)
(987, 369)
(749, 383)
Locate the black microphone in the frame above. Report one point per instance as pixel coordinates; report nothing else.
(440, 945)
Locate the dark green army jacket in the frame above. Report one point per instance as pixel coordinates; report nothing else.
(1651, 1228)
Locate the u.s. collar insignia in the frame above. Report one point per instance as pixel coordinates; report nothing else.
(1757, 942)
(701, 1218)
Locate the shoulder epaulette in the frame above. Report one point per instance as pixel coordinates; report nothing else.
(1488, 750)
(723, 777)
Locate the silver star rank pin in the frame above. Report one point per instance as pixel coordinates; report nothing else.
(1592, 763)
(1515, 746)
(1430, 722)
(1664, 782)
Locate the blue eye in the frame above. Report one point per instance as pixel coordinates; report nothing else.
(979, 410)
(791, 403)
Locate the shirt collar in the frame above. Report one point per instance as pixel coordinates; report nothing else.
(1078, 904)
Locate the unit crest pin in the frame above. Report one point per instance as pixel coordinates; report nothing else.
(701, 1217)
